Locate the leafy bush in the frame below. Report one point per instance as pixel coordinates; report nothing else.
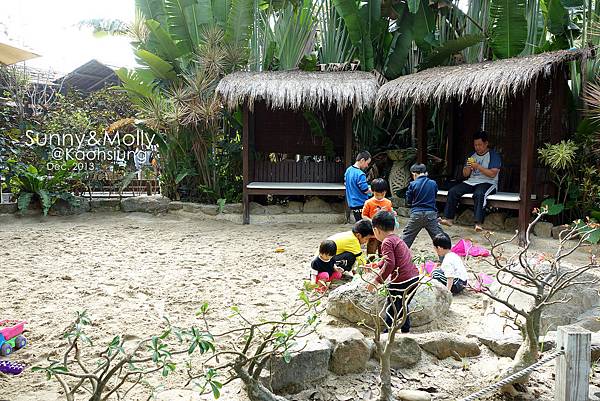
(33, 184)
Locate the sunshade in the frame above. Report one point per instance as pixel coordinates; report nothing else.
(11, 55)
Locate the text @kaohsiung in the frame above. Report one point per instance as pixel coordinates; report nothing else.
(92, 149)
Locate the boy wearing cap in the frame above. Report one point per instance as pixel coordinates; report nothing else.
(420, 197)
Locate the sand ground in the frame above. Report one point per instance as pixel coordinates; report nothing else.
(130, 270)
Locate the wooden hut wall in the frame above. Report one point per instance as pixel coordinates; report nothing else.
(286, 131)
(504, 127)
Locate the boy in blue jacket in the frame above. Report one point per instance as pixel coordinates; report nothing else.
(420, 197)
(357, 189)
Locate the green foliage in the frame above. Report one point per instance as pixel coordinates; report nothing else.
(508, 27)
(358, 30)
(441, 54)
(560, 156)
(30, 184)
(552, 208)
(335, 45)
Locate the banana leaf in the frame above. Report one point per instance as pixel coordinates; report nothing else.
(152, 9)
(424, 27)
(136, 84)
(508, 32)
(220, 9)
(165, 44)
(159, 67)
(239, 23)
(441, 54)
(185, 18)
(358, 32)
(399, 48)
(413, 5)
(558, 17)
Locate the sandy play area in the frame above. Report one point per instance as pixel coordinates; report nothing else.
(130, 270)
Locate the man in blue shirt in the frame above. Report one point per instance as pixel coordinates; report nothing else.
(481, 170)
(357, 189)
(420, 197)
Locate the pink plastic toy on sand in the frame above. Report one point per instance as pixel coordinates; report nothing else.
(482, 282)
(11, 337)
(465, 247)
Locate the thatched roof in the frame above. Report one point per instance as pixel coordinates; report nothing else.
(297, 90)
(493, 79)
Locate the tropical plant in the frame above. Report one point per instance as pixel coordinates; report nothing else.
(30, 185)
(187, 47)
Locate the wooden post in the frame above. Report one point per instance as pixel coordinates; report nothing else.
(348, 160)
(246, 164)
(527, 157)
(557, 105)
(348, 138)
(573, 368)
(450, 162)
(421, 128)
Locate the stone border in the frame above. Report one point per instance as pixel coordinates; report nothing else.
(314, 211)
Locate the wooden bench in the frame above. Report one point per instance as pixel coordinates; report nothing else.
(290, 177)
(501, 200)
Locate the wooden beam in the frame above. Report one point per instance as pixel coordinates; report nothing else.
(246, 164)
(527, 157)
(572, 368)
(421, 131)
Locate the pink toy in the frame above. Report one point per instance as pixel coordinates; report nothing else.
(11, 328)
(464, 247)
(428, 267)
(482, 283)
(11, 337)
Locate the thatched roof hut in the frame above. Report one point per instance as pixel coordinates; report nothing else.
(296, 90)
(520, 102)
(499, 80)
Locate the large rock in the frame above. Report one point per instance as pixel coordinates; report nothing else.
(274, 209)
(511, 224)
(316, 205)
(406, 351)
(556, 230)
(77, 206)
(590, 320)
(338, 207)
(294, 207)
(494, 221)
(8, 208)
(105, 205)
(543, 229)
(466, 218)
(444, 345)
(581, 299)
(351, 350)
(176, 205)
(309, 362)
(257, 208)
(350, 301)
(211, 210)
(146, 204)
(233, 208)
(506, 346)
